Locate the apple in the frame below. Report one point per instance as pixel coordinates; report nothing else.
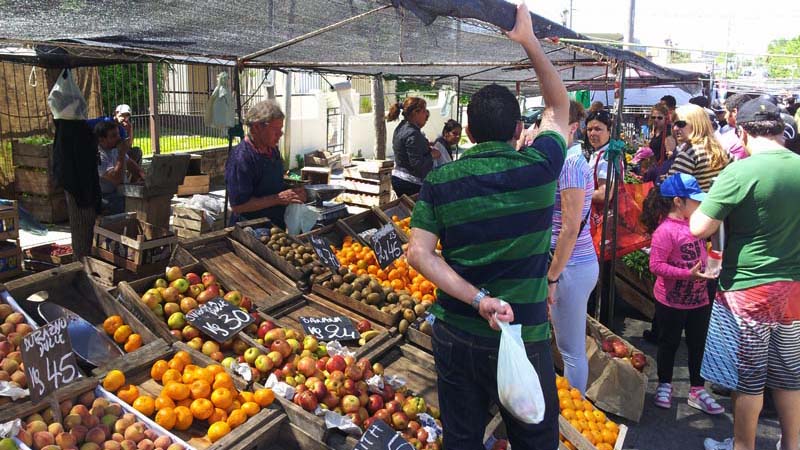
(400, 421)
(375, 403)
(208, 278)
(289, 369)
(193, 278)
(363, 325)
(190, 332)
(388, 392)
(180, 284)
(151, 298)
(282, 347)
(319, 389)
(226, 363)
(188, 304)
(349, 360)
(195, 290)
(383, 414)
(337, 362)
(170, 294)
(350, 403)
(160, 283)
(263, 363)
(307, 400)
(196, 343)
(171, 308)
(177, 334)
(349, 386)
(307, 366)
(176, 321)
(393, 406)
(638, 361)
(173, 273)
(210, 347)
(246, 304)
(205, 296)
(620, 349)
(331, 399)
(353, 372)
(251, 354)
(233, 297)
(239, 346)
(276, 358)
(608, 344)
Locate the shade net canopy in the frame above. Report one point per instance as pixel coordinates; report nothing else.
(425, 39)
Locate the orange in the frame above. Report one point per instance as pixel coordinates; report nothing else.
(114, 380)
(177, 364)
(563, 393)
(158, 369)
(133, 343)
(219, 415)
(202, 408)
(605, 446)
(611, 426)
(162, 401)
(128, 393)
(583, 425)
(236, 418)
(184, 356)
(111, 324)
(588, 435)
(587, 405)
(186, 403)
(599, 416)
(264, 397)
(251, 408)
(200, 389)
(609, 436)
(235, 405)
(217, 430)
(166, 418)
(171, 375)
(568, 414)
(121, 334)
(214, 369)
(566, 403)
(204, 374)
(223, 380)
(246, 396)
(597, 436)
(428, 297)
(183, 418)
(426, 287)
(222, 398)
(176, 391)
(575, 394)
(593, 426)
(575, 424)
(145, 405)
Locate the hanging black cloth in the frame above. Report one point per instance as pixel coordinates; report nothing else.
(75, 162)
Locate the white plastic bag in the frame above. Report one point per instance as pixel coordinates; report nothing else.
(220, 112)
(517, 382)
(66, 100)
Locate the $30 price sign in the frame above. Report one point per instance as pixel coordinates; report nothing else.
(219, 319)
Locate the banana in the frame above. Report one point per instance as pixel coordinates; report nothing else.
(367, 336)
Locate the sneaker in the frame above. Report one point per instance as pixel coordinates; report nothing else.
(778, 445)
(700, 399)
(711, 444)
(664, 395)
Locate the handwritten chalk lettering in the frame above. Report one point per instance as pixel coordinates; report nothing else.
(330, 328)
(323, 250)
(219, 319)
(49, 361)
(380, 436)
(386, 245)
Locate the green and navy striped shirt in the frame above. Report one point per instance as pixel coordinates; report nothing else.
(493, 211)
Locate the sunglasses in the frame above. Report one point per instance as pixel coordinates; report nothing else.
(680, 123)
(657, 117)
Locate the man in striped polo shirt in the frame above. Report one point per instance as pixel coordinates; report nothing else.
(492, 210)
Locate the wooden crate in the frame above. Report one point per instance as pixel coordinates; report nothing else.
(235, 265)
(635, 291)
(69, 286)
(191, 222)
(25, 409)
(267, 254)
(362, 199)
(367, 222)
(46, 209)
(334, 233)
(312, 305)
(293, 437)
(195, 184)
(166, 171)
(417, 337)
(107, 274)
(9, 221)
(10, 259)
(35, 181)
(401, 207)
(497, 429)
(131, 243)
(45, 253)
(371, 312)
(32, 155)
(250, 434)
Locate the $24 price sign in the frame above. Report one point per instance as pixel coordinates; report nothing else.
(219, 319)
(386, 245)
(337, 328)
(323, 250)
(49, 361)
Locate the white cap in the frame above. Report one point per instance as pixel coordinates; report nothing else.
(123, 109)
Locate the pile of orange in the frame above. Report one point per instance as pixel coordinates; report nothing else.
(399, 275)
(192, 393)
(585, 418)
(405, 226)
(122, 334)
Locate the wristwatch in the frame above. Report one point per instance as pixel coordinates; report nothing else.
(476, 301)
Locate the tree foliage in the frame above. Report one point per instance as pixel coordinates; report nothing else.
(784, 67)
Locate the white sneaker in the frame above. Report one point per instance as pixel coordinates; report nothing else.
(711, 444)
(778, 445)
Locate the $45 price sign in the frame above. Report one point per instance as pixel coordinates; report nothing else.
(219, 319)
(386, 245)
(49, 361)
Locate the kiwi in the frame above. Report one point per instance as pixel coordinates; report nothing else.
(392, 297)
(403, 326)
(263, 239)
(346, 289)
(375, 286)
(425, 327)
(365, 292)
(373, 299)
(419, 309)
(317, 270)
(289, 254)
(407, 304)
(275, 230)
(358, 285)
(349, 277)
(405, 298)
(408, 314)
(386, 309)
(336, 281)
(343, 270)
(356, 295)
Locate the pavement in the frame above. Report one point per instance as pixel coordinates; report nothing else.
(681, 427)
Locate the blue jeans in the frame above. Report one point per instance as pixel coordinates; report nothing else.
(466, 368)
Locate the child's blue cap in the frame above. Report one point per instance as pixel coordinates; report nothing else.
(682, 185)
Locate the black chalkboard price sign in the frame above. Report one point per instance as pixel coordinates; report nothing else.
(386, 245)
(323, 250)
(219, 319)
(330, 328)
(380, 436)
(49, 361)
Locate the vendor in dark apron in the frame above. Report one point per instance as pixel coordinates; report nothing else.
(254, 170)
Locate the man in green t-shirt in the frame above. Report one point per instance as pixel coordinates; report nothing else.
(492, 209)
(754, 335)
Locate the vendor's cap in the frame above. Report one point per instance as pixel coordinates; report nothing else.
(123, 109)
(642, 153)
(682, 185)
(758, 110)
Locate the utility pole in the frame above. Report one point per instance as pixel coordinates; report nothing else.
(570, 14)
(631, 21)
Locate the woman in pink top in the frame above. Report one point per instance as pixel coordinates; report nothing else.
(676, 259)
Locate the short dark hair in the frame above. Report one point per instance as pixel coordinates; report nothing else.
(669, 101)
(602, 116)
(735, 101)
(104, 127)
(493, 113)
(764, 128)
(576, 112)
(700, 101)
(450, 125)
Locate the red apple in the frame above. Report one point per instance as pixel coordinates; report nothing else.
(383, 414)
(336, 363)
(363, 326)
(281, 347)
(620, 349)
(638, 361)
(400, 421)
(393, 407)
(208, 279)
(319, 390)
(353, 373)
(307, 400)
(375, 403)
(307, 366)
(350, 404)
(608, 344)
(193, 278)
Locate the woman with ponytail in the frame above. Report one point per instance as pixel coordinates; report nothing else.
(413, 158)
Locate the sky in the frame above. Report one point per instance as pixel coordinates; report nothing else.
(733, 25)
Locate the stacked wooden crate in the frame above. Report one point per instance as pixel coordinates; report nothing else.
(368, 183)
(10, 250)
(195, 181)
(188, 222)
(37, 189)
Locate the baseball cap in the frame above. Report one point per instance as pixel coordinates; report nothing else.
(123, 109)
(642, 153)
(682, 185)
(758, 110)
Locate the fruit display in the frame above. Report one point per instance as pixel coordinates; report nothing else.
(405, 225)
(122, 333)
(12, 330)
(339, 384)
(295, 253)
(616, 348)
(590, 422)
(180, 395)
(92, 422)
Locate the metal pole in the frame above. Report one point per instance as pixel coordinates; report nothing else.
(379, 110)
(570, 14)
(287, 124)
(152, 81)
(231, 132)
(631, 21)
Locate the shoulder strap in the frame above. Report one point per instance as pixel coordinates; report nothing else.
(585, 220)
